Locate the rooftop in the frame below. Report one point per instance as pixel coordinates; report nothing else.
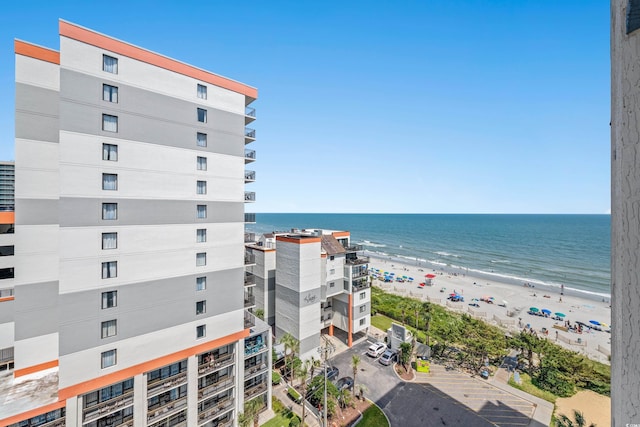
(28, 392)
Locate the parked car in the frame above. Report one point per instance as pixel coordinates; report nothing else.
(388, 357)
(376, 349)
(332, 373)
(345, 382)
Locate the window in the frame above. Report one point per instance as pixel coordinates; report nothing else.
(109, 240)
(202, 140)
(109, 123)
(109, 269)
(201, 307)
(363, 308)
(202, 115)
(332, 271)
(202, 163)
(332, 257)
(110, 211)
(201, 235)
(363, 321)
(201, 187)
(109, 64)
(201, 283)
(202, 211)
(109, 181)
(202, 92)
(201, 331)
(110, 93)
(108, 358)
(332, 284)
(363, 295)
(7, 273)
(109, 328)
(110, 152)
(109, 299)
(201, 259)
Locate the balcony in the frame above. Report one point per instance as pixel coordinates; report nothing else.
(249, 320)
(216, 364)
(358, 261)
(255, 370)
(60, 422)
(166, 410)
(249, 115)
(249, 135)
(249, 259)
(326, 317)
(249, 279)
(354, 248)
(254, 390)
(249, 237)
(216, 387)
(249, 176)
(359, 272)
(217, 409)
(249, 301)
(360, 286)
(249, 196)
(249, 156)
(165, 384)
(104, 408)
(249, 218)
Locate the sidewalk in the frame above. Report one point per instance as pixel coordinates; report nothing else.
(280, 393)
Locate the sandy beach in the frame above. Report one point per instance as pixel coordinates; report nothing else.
(513, 316)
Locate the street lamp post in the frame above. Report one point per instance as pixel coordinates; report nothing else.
(324, 351)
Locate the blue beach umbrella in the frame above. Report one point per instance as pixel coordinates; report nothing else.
(595, 322)
(545, 311)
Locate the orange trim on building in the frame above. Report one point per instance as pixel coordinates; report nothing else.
(37, 52)
(35, 368)
(341, 234)
(33, 413)
(104, 42)
(122, 375)
(350, 332)
(299, 241)
(331, 330)
(7, 217)
(7, 299)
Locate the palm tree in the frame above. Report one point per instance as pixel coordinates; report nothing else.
(314, 363)
(302, 372)
(417, 308)
(293, 345)
(355, 361)
(403, 310)
(362, 389)
(251, 413)
(564, 421)
(426, 309)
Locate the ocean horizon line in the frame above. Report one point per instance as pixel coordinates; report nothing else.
(431, 213)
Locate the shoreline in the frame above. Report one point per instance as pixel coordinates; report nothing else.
(491, 276)
(513, 316)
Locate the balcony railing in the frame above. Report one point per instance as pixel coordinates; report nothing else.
(250, 133)
(359, 272)
(249, 155)
(218, 408)
(252, 350)
(249, 111)
(354, 248)
(216, 364)
(104, 408)
(60, 422)
(249, 301)
(166, 410)
(166, 383)
(249, 258)
(254, 370)
(249, 196)
(249, 176)
(216, 387)
(249, 320)
(249, 217)
(249, 237)
(360, 286)
(358, 261)
(326, 317)
(254, 390)
(249, 279)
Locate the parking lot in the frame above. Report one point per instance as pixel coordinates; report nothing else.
(447, 398)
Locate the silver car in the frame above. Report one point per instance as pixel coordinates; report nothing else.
(388, 357)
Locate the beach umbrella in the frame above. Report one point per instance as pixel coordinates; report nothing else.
(429, 276)
(534, 309)
(604, 325)
(411, 278)
(404, 277)
(475, 299)
(422, 285)
(594, 322)
(560, 314)
(392, 274)
(545, 311)
(504, 302)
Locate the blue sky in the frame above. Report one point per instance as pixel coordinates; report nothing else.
(444, 106)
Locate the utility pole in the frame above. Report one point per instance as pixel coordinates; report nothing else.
(325, 350)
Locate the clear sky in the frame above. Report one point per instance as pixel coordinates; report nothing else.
(432, 106)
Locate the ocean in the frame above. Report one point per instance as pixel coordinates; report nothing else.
(545, 250)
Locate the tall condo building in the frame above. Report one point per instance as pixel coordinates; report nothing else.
(125, 302)
(310, 282)
(625, 224)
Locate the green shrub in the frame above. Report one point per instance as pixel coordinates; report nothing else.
(275, 378)
(277, 406)
(294, 394)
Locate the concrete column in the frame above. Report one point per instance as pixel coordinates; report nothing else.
(192, 390)
(140, 400)
(73, 412)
